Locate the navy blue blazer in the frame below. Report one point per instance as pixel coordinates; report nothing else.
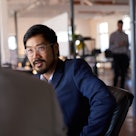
(85, 101)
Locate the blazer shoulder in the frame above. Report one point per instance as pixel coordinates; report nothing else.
(77, 63)
(76, 60)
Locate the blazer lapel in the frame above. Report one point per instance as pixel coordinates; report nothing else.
(58, 74)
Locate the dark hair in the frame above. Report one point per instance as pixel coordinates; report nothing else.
(120, 22)
(47, 33)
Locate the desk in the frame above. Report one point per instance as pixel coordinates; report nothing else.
(99, 61)
(103, 62)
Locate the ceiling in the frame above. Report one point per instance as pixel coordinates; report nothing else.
(82, 8)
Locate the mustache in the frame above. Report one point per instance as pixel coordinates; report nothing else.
(38, 60)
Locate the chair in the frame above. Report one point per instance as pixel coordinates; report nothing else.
(124, 100)
(28, 106)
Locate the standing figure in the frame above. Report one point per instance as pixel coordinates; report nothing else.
(86, 103)
(119, 47)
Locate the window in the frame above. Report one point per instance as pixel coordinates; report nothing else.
(126, 26)
(103, 36)
(12, 42)
(12, 45)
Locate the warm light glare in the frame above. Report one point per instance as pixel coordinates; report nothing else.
(77, 42)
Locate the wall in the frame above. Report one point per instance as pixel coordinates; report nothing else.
(84, 27)
(23, 25)
(112, 22)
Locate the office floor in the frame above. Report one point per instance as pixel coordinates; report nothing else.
(129, 126)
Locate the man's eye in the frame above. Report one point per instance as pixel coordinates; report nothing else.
(41, 48)
(29, 50)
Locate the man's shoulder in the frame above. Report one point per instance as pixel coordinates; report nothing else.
(114, 33)
(117, 32)
(75, 61)
(125, 34)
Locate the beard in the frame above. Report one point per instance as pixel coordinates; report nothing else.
(42, 71)
(45, 69)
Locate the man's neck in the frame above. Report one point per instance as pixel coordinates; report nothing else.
(48, 74)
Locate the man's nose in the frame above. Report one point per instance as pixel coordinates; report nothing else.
(36, 53)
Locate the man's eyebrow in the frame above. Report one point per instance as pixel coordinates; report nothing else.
(27, 46)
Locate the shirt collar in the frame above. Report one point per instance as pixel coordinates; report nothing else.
(44, 79)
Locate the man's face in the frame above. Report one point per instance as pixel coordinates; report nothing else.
(120, 25)
(40, 54)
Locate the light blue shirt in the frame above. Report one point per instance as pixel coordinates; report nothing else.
(44, 79)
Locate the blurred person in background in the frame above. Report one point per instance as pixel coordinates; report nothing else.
(119, 46)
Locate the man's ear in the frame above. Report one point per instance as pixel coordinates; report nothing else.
(56, 49)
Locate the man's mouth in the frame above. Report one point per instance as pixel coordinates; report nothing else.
(38, 63)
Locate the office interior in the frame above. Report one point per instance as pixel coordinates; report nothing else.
(91, 21)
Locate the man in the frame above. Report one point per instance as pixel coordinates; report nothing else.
(119, 47)
(85, 101)
(28, 106)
